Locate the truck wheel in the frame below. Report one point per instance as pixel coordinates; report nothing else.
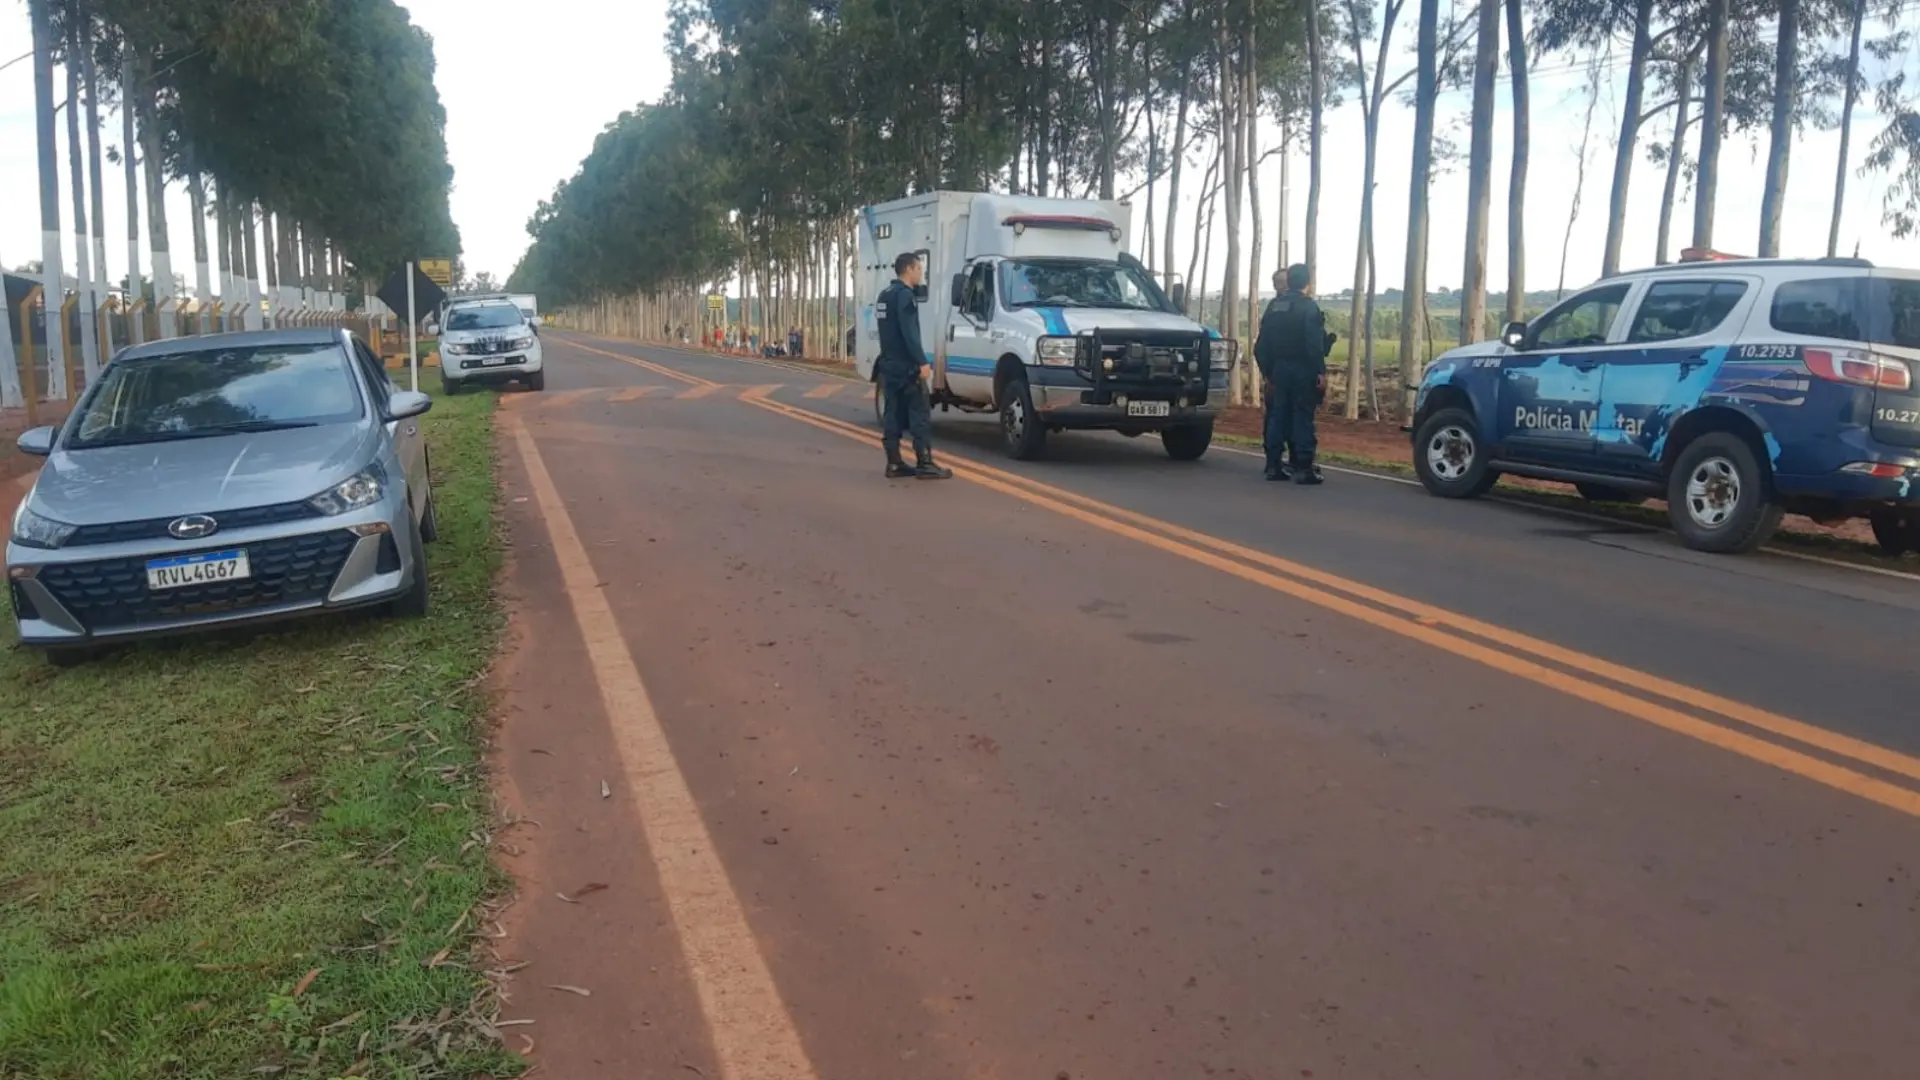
(1719, 496)
(1022, 434)
(1605, 494)
(537, 381)
(448, 386)
(1897, 533)
(1187, 441)
(1449, 457)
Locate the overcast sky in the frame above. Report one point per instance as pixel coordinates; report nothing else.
(528, 85)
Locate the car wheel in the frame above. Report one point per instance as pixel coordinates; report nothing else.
(537, 381)
(1605, 494)
(429, 521)
(1719, 496)
(1896, 532)
(1022, 435)
(1187, 442)
(412, 604)
(1449, 457)
(450, 387)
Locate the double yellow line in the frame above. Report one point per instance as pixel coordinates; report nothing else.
(1857, 767)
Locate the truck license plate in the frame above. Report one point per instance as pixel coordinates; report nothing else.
(1148, 408)
(204, 569)
(493, 361)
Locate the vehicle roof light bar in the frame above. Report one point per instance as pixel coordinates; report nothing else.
(1022, 222)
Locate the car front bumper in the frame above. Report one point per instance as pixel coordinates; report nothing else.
(98, 593)
(498, 367)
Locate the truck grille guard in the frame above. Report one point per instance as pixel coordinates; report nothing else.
(1157, 363)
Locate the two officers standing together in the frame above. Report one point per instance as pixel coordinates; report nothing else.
(1291, 352)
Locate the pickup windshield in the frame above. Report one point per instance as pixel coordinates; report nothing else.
(1078, 283)
(485, 317)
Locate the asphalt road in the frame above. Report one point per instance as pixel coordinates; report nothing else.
(1108, 766)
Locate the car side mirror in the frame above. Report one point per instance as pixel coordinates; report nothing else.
(407, 403)
(1179, 296)
(957, 294)
(1514, 336)
(36, 441)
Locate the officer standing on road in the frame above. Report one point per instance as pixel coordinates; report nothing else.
(903, 373)
(1292, 354)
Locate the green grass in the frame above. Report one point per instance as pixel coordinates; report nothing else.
(187, 829)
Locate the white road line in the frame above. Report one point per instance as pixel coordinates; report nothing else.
(752, 1033)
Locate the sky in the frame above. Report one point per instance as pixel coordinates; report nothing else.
(527, 86)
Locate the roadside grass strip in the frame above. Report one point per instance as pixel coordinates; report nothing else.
(263, 854)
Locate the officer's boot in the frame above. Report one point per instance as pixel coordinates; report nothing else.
(896, 468)
(1306, 472)
(925, 468)
(1279, 471)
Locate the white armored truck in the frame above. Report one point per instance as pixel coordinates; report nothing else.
(1033, 309)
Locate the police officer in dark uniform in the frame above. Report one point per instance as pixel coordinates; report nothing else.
(1292, 354)
(902, 373)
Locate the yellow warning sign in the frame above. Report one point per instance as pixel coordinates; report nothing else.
(716, 303)
(438, 271)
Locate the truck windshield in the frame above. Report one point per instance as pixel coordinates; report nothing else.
(1077, 283)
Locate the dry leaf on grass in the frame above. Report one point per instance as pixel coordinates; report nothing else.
(588, 889)
(305, 981)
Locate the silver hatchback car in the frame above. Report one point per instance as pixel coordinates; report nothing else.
(213, 481)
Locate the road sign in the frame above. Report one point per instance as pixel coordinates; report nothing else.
(716, 303)
(438, 271)
(426, 294)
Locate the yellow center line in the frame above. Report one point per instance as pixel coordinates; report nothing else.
(755, 394)
(824, 390)
(634, 393)
(752, 1032)
(696, 392)
(1429, 625)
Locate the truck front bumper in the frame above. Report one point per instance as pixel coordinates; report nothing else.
(1064, 399)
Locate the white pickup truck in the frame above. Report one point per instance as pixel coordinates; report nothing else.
(1035, 310)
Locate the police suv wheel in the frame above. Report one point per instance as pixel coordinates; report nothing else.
(1896, 532)
(1022, 433)
(1449, 457)
(1719, 496)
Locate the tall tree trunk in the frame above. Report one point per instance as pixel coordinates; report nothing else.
(136, 322)
(1250, 122)
(1413, 309)
(1234, 174)
(1625, 145)
(1517, 180)
(270, 267)
(202, 258)
(163, 291)
(1203, 235)
(250, 240)
(223, 233)
(1179, 151)
(76, 174)
(1786, 62)
(97, 221)
(1360, 328)
(1713, 122)
(1676, 153)
(1473, 283)
(1846, 128)
(52, 280)
(1316, 107)
(1579, 172)
(1150, 235)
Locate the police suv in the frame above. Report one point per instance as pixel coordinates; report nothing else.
(1736, 389)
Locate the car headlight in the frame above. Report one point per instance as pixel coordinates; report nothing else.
(1223, 351)
(454, 348)
(1057, 351)
(362, 489)
(521, 342)
(35, 531)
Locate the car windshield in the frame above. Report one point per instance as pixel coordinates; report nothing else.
(485, 317)
(192, 395)
(1077, 283)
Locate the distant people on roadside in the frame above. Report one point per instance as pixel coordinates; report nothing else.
(904, 375)
(794, 341)
(1291, 352)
